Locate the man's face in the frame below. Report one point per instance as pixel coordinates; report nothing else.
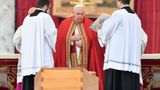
(78, 13)
(117, 2)
(46, 8)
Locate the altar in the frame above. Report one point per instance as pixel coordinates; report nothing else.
(150, 70)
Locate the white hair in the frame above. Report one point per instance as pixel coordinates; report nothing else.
(79, 5)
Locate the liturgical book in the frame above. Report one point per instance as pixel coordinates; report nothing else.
(99, 21)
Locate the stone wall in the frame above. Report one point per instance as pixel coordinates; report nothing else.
(7, 25)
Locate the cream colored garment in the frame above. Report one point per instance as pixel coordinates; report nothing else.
(17, 43)
(17, 38)
(144, 39)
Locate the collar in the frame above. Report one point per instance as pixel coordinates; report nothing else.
(125, 6)
(128, 9)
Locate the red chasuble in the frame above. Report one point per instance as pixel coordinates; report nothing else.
(92, 53)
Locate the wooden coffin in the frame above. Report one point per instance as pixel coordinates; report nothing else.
(65, 79)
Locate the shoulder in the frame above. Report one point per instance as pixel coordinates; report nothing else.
(26, 17)
(137, 17)
(44, 15)
(118, 12)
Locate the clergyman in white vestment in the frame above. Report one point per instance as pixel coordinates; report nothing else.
(121, 34)
(17, 43)
(38, 41)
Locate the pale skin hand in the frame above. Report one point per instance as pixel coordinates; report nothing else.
(76, 37)
(96, 29)
(31, 10)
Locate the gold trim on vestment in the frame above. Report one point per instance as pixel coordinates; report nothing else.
(84, 48)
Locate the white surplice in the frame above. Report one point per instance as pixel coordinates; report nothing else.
(38, 39)
(122, 36)
(17, 38)
(17, 43)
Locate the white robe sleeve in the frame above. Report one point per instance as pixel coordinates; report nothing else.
(108, 28)
(144, 40)
(50, 32)
(17, 38)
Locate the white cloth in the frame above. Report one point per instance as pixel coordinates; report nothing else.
(17, 38)
(17, 43)
(38, 39)
(121, 34)
(77, 48)
(19, 71)
(144, 39)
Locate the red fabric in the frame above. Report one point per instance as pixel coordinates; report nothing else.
(3, 88)
(55, 19)
(95, 54)
(19, 86)
(22, 7)
(149, 13)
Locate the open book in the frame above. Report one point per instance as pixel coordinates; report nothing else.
(99, 21)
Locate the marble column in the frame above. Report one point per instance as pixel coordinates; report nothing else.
(7, 25)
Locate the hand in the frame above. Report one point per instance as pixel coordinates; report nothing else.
(31, 10)
(79, 43)
(96, 29)
(76, 37)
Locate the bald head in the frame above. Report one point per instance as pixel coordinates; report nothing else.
(78, 13)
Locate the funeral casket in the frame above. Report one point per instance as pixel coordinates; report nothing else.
(66, 79)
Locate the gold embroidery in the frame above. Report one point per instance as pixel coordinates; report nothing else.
(83, 59)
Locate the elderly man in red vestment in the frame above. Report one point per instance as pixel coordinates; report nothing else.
(77, 45)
